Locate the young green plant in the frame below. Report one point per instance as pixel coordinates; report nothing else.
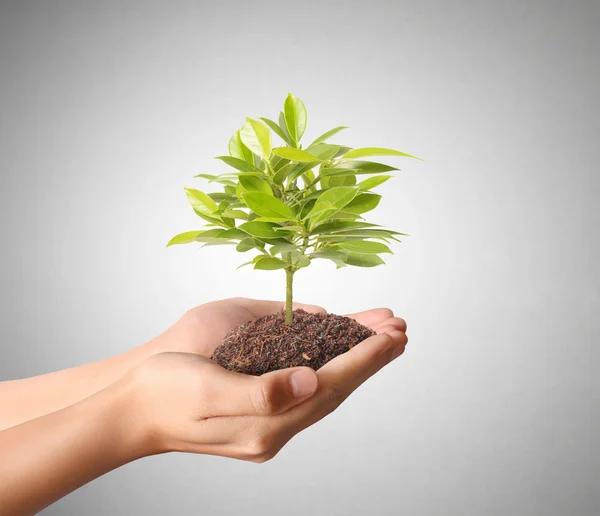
(293, 205)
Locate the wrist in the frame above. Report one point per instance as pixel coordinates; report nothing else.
(117, 408)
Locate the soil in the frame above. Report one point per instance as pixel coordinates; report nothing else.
(268, 344)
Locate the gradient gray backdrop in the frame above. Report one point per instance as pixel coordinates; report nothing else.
(109, 108)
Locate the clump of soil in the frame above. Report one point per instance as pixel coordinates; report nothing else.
(268, 344)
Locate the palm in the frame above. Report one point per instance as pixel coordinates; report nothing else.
(203, 328)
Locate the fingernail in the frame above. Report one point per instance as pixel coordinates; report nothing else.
(303, 382)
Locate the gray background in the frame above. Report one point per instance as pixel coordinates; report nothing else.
(109, 108)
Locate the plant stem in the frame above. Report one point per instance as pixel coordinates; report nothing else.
(289, 280)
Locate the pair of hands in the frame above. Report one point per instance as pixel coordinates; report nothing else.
(179, 400)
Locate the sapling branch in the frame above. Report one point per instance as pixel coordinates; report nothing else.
(263, 197)
(289, 295)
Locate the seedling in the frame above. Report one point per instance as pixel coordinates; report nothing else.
(291, 204)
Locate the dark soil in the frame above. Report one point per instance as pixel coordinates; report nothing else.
(268, 344)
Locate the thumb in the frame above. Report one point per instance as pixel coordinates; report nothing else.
(236, 394)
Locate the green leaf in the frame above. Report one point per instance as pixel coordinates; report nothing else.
(238, 150)
(235, 214)
(232, 176)
(228, 221)
(301, 260)
(210, 177)
(256, 136)
(215, 241)
(222, 196)
(337, 257)
(364, 247)
(213, 219)
(289, 229)
(278, 163)
(209, 235)
(237, 204)
(184, 238)
(323, 151)
(201, 202)
(295, 117)
(294, 154)
(363, 260)
(238, 164)
(301, 168)
(259, 229)
(282, 174)
(283, 247)
(239, 191)
(283, 127)
(342, 215)
(368, 167)
(335, 171)
(309, 180)
(254, 184)
(340, 225)
(245, 245)
(235, 175)
(314, 195)
(223, 181)
(271, 219)
(216, 179)
(372, 182)
(266, 205)
(268, 263)
(348, 180)
(358, 234)
(342, 151)
(277, 130)
(307, 206)
(375, 151)
(363, 203)
(328, 134)
(332, 200)
(356, 167)
(233, 234)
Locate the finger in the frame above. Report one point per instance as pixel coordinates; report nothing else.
(337, 379)
(347, 371)
(386, 328)
(260, 308)
(373, 317)
(342, 375)
(394, 322)
(228, 393)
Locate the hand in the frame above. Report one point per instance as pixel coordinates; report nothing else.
(84, 422)
(185, 402)
(201, 329)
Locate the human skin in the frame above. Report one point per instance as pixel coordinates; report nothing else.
(168, 396)
(200, 330)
